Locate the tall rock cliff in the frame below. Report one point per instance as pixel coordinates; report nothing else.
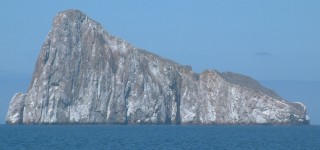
(84, 75)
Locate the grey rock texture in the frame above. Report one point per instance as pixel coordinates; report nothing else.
(84, 75)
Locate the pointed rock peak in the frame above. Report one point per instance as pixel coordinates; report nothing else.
(71, 16)
(71, 12)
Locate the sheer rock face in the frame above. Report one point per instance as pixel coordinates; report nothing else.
(84, 75)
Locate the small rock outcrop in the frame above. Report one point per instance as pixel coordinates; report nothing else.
(84, 75)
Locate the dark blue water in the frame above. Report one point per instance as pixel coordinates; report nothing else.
(159, 137)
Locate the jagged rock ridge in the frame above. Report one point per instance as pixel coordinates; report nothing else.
(84, 75)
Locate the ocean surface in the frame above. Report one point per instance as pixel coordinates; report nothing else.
(74, 137)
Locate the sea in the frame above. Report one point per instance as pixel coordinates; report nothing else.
(157, 137)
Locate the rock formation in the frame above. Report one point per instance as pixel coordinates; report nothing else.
(84, 75)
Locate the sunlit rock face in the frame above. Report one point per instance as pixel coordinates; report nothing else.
(84, 75)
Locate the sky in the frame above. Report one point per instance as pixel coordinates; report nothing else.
(267, 40)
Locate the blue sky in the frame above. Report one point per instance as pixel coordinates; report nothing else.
(267, 40)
